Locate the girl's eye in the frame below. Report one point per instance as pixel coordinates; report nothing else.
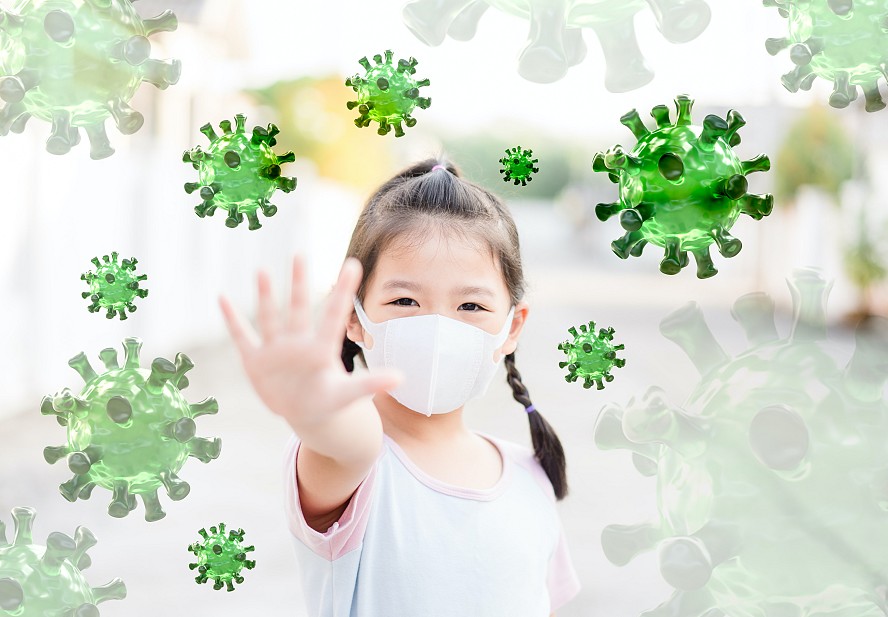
(473, 308)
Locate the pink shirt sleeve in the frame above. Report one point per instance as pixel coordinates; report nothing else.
(342, 536)
(563, 581)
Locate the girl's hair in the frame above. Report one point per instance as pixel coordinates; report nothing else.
(413, 204)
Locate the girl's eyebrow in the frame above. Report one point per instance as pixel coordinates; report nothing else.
(467, 290)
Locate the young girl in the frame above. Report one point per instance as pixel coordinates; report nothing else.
(399, 509)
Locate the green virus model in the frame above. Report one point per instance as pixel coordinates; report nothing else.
(556, 38)
(843, 41)
(113, 286)
(238, 172)
(518, 165)
(387, 93)
(75, 63)
(772, 486)
(590, 355)
(221, 557)
(130, 430)
(45, 581)
(682, 187)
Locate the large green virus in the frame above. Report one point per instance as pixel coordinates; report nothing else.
(555, 41)
(518, 165)
(75, 63)
(113, 286)
(682, 187)
(772, 482)
(221, 557)
(843, 41)
(590, 355)
(130, 430)
(47, 581)
(387, 93)
(238, 172)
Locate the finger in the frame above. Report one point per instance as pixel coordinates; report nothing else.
(367, 384)
(268, 318)
(298, 318)
(339, 305)
(241, 331)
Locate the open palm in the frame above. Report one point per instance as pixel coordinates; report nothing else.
(295, 370)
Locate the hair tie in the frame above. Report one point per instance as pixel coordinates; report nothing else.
(437, 167)
(530, 408)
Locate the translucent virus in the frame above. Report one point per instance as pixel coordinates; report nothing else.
(130, 430)
(518, 165)
(843, 41)
(772, 482)
(47, 581)
(682, 187)
(591, 356)
(113, 286)
(387, 93)
(221, 557)
(556, 38)
(74, 63)
(238, 172)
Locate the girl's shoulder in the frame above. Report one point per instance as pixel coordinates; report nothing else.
(523, 457)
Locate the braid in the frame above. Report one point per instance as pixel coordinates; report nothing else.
(350, 349)
(546, 445)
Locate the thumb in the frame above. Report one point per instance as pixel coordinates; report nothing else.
(385, 379)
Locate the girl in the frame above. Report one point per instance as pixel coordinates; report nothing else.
(399, 509)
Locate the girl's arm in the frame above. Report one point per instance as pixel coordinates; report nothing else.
(299, 375)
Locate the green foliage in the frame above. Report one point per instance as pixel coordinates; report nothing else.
(817, 151)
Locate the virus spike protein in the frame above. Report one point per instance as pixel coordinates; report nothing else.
(48, 580)
(518, 165)
(387, 93)
(556, 31)
(220, 557)
(843, 42)
(238, 172)
(113, 286)
(75, 63)
(771, 479)
(130, 430)
(591, 356)
(682, 187)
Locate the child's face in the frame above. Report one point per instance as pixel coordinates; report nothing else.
(436, 277)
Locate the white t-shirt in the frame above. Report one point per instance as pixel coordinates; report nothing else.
(408, 545)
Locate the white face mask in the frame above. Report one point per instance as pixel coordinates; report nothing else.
(445, 362)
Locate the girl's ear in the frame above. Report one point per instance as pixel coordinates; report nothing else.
(353, 329)
(522, 309)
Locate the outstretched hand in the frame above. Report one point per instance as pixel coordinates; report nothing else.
(297, 371)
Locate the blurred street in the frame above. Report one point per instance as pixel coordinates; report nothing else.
(243, 487)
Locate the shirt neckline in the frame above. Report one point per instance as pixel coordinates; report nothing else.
(478, 494)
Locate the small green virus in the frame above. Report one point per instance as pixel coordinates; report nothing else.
(130, 430)
(591, 356)
(113, 286)
(40, 581)
(843, 41)
(682, 187)
(518, 165)
(387, 94)
(221, 557)
(75, 63)
(238, 173)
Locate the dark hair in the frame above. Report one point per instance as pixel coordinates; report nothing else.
(408, 206)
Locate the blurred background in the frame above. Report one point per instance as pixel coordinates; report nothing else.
(286, 62)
